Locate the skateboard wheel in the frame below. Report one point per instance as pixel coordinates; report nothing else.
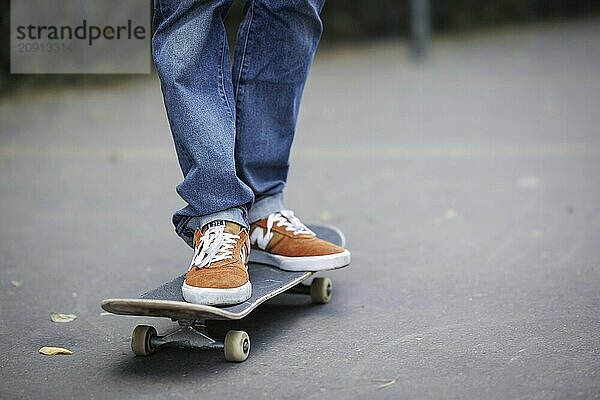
(141, 340)
(236, 346)
(320, 290)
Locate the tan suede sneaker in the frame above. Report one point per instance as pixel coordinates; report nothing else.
(218, 274)
(283, 241)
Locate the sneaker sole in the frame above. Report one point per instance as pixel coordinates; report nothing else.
(216, 297)
(296, 264)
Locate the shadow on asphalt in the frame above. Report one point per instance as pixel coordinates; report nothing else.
(264, 325)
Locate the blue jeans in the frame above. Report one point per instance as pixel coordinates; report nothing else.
(233, 127)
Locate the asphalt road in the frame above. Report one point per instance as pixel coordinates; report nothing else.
(468, 187)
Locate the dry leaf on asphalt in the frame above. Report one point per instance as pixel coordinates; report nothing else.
(58, 317)
(536, 234)
(387, 383)
(53, 351)
(450, 213)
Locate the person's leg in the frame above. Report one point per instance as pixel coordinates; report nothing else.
(274, 51)
(275, 46)
(191, 55)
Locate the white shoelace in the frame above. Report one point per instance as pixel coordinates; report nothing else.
(215, 245)
(291, 223)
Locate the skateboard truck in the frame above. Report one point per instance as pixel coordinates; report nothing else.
(191, 335)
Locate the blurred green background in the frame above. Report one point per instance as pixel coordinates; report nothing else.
(354, 20)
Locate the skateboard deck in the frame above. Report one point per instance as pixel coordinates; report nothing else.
(267, 282)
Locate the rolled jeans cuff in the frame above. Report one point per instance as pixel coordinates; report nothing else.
(265, 206)
(188, 226)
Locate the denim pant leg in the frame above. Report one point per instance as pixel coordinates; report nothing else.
(191, 54)
(275, 47)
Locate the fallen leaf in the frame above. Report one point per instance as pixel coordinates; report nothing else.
(387, 384)
(53, 351)
(536, 234)
(15, 283)
(58, 317)
(450, 213)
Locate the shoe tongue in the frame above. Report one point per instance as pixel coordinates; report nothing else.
(213, 224)
(230, 227)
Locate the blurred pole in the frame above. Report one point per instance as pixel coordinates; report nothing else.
(420, 27)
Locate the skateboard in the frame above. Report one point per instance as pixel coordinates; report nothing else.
(167, 301)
